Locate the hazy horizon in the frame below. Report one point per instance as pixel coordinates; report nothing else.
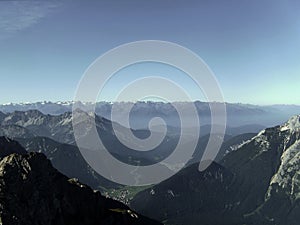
(150, 101)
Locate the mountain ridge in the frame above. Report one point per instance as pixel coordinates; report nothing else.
(33, 193)
(266, 115)
(256, 184)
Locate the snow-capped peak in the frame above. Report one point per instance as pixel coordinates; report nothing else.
(292, 124)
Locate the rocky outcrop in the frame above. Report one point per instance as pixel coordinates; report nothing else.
(256, 183)
(32, 192)
(8, 146)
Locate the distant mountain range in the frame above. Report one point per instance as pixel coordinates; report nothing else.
(33, 123)
(254, 180)
(53, 135)
(256, 183)
(237, 114)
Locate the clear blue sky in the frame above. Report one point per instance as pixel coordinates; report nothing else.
(252, 46)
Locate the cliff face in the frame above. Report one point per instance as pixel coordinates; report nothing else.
(256, 183)
(33, 192)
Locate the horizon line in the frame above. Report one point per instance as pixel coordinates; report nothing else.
(69, 102)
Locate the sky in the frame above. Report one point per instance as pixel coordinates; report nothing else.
(252, 47)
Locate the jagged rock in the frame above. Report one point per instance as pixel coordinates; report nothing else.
(8, 146)
(68, 160)
(32, 192)
(260, 185)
